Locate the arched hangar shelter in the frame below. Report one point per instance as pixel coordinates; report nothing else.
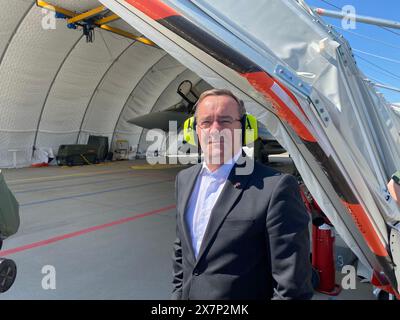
(58, 88)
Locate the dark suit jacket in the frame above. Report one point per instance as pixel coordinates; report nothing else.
(256, 244)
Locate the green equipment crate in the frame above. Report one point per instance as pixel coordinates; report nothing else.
(76, 155)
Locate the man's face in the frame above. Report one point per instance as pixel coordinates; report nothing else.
(219, 128)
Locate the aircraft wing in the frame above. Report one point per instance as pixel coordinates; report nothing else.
(160, 120)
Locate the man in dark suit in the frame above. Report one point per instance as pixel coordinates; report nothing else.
(242, 228)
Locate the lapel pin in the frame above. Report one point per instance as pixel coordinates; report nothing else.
(237, 185)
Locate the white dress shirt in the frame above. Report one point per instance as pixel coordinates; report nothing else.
(205, 193)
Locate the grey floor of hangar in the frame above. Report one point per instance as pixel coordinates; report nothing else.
(106, 229)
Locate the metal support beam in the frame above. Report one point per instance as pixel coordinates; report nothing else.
(107, 19)
(87, 15)
(51, 7)
(127, 34)
(384, 86)
(101, 23)
(358, 18)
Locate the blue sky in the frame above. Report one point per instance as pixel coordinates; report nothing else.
(372, 40)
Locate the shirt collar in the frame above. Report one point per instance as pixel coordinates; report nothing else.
(223, 171)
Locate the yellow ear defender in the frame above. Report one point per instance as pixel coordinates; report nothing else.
(249, 130)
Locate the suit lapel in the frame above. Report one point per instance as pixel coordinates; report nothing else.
(183, 204)
(233, 188)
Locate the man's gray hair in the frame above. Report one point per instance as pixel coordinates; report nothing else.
(221, 92)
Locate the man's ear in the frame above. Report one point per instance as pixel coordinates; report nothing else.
(394, 190)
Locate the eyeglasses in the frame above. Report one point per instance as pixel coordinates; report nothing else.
(223, 122)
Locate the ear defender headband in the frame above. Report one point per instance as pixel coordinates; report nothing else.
(249, 130)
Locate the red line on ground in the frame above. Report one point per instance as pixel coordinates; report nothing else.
(82, 232)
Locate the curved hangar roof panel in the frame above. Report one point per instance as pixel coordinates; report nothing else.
(116, 87)
(10, 21)
(145, 95)
(76, 81)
